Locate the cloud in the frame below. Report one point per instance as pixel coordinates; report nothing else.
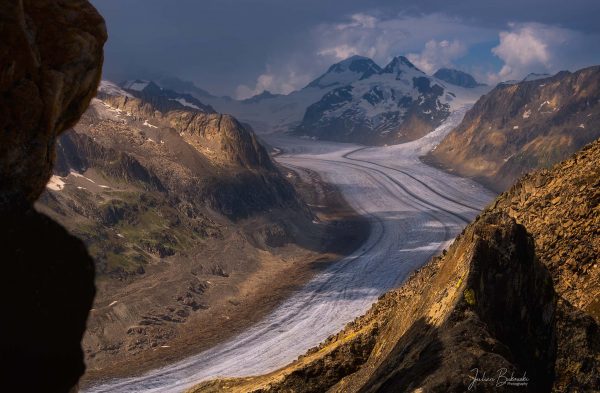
(432, 40)
(282, 82)
(437, 54)
(540, 48)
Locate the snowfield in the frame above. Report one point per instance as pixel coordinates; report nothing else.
(415, 212)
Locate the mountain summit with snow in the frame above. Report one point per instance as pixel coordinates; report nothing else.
(398, 103)
(347, 71)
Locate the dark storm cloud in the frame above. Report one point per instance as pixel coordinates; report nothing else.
(246, 45)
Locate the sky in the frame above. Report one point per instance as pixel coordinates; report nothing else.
(242, 47)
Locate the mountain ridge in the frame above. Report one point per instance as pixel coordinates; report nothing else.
(516, 128)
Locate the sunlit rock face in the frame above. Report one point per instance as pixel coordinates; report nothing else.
(50, 64)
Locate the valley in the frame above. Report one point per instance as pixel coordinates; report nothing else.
(414, 210)
(207, 197)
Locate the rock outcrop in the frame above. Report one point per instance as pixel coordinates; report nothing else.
(516, 295)
(519, 127)
(51, 56)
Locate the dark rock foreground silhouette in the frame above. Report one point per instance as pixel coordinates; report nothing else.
(51, 55)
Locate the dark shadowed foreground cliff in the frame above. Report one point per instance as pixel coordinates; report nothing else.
(50, 65)
(515, 297)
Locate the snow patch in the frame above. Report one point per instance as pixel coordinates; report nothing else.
(77, 174)
(110, 88)
(149, 125)
(581, 125)
(137, 85)
(527, 114)
(56, 183)
(184, 102)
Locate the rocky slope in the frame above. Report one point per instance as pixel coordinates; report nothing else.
(523, 126)
(185, 215)
(354, 100)
(538, 246)
(50, 64)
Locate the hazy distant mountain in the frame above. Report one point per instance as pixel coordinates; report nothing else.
(456, 77)
(519, 127)
(162, 99)
(266, 94)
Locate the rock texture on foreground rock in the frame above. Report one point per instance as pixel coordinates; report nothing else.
(50, 64)
(51, 56)
(517, 290)
(517, 128)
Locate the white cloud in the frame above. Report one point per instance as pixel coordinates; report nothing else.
(437, 54)
(339, 52)
(282, 82)
(382, 38)
(535, 47)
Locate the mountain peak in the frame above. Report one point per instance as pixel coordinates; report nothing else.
(533, 76)
(456, 77)
(266, 94)
(347, 71)
(398, 65)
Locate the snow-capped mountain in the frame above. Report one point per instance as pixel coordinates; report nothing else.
(396, 104)
(354, 100)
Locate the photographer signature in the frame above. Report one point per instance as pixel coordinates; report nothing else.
(499, 379)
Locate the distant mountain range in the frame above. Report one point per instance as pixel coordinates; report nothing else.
(355, 100)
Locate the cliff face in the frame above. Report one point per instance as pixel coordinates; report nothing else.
(521, 127)
(50, 65)
(517, 290)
